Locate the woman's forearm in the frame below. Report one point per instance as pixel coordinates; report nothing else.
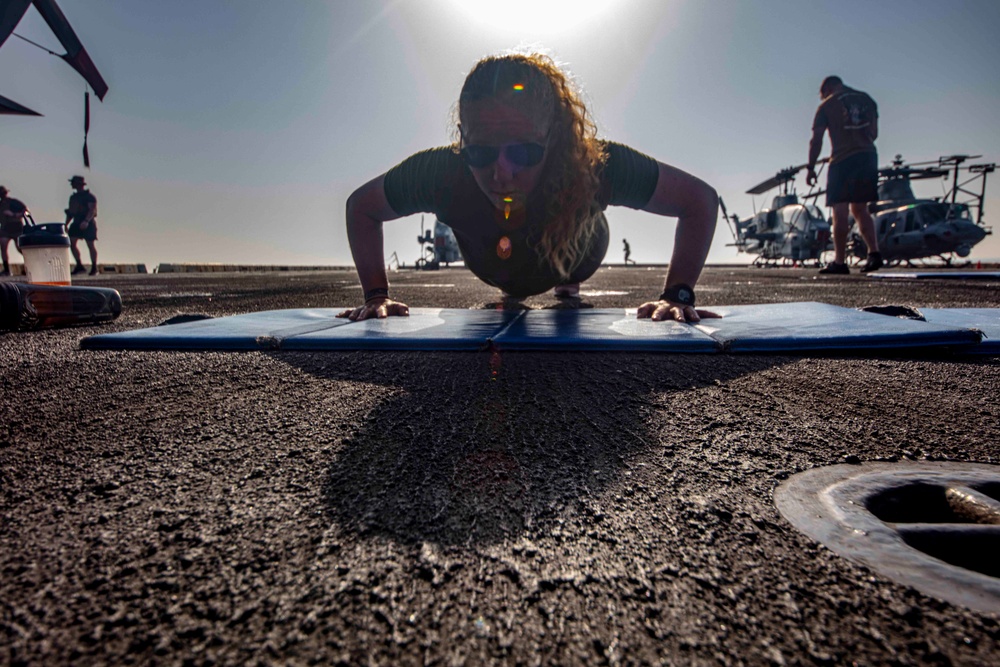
(367, 209)
(364, 233)
(693, 239)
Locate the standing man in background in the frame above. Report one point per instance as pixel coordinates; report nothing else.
(628, 252)
(851, 117)
(81, 221)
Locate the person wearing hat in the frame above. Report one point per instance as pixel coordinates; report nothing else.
(81, 221)
(12, 213)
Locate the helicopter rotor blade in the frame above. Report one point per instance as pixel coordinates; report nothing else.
(945, 160)
(956, 159)
(782, 176)
(929, 173)
(911, 173)
(773, 182)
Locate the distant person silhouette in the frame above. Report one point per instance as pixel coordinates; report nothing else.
(628, 252)
(81, 221)
(851, 118)
(12, 215)
(524, 187)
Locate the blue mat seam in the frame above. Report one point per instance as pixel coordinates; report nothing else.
(490, 339)
(280, 336)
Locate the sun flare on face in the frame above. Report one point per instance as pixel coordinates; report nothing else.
(536, 17)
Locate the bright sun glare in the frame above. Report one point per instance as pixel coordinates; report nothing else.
(534, 17)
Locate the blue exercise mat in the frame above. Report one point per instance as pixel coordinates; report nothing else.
(986, 320)
(601, 329)
(810, 327)
(784, 327)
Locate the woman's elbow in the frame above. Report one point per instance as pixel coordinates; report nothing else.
(353, 205)
(711, 197)
(708, 202)
(359, 211)
(368, 204)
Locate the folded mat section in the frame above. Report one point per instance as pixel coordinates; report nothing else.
(811, 327)
(424, 329)
(601, 329)
(317, 329)
(986, 320)
(252, 331)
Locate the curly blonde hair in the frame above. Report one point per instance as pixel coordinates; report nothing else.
(570, 183)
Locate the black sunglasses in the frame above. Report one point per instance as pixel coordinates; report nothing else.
(521, 155)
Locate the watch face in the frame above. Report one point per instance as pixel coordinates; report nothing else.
(684, 296)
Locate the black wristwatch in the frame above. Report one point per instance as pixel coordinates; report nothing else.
(377, 293)
(679, 293)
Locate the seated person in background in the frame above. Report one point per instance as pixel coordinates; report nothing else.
(524, 188)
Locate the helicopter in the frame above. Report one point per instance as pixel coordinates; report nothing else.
(789, 232)
(910, 229)
(439, 248)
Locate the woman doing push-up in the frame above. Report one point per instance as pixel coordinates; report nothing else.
(524, 188)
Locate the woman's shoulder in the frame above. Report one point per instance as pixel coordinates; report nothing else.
(619, 158)
(415, 183)
(441, 162)
(443, 155)
(435, 164)
(616, 149)
(628, 177)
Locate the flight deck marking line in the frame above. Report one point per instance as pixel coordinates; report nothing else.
(943, 275)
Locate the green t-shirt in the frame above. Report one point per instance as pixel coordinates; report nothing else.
(438, 181)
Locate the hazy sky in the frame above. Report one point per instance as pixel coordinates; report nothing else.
(235, 130)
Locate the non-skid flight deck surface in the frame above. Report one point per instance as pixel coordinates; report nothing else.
(768, 328)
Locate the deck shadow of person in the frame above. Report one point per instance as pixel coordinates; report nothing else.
(484, 447)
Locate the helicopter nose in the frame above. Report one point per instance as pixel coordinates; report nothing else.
(970, 232)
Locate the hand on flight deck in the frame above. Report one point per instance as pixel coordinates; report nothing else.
(379, 309)
(666, 310)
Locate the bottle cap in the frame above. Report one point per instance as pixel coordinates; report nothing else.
(49, 234)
